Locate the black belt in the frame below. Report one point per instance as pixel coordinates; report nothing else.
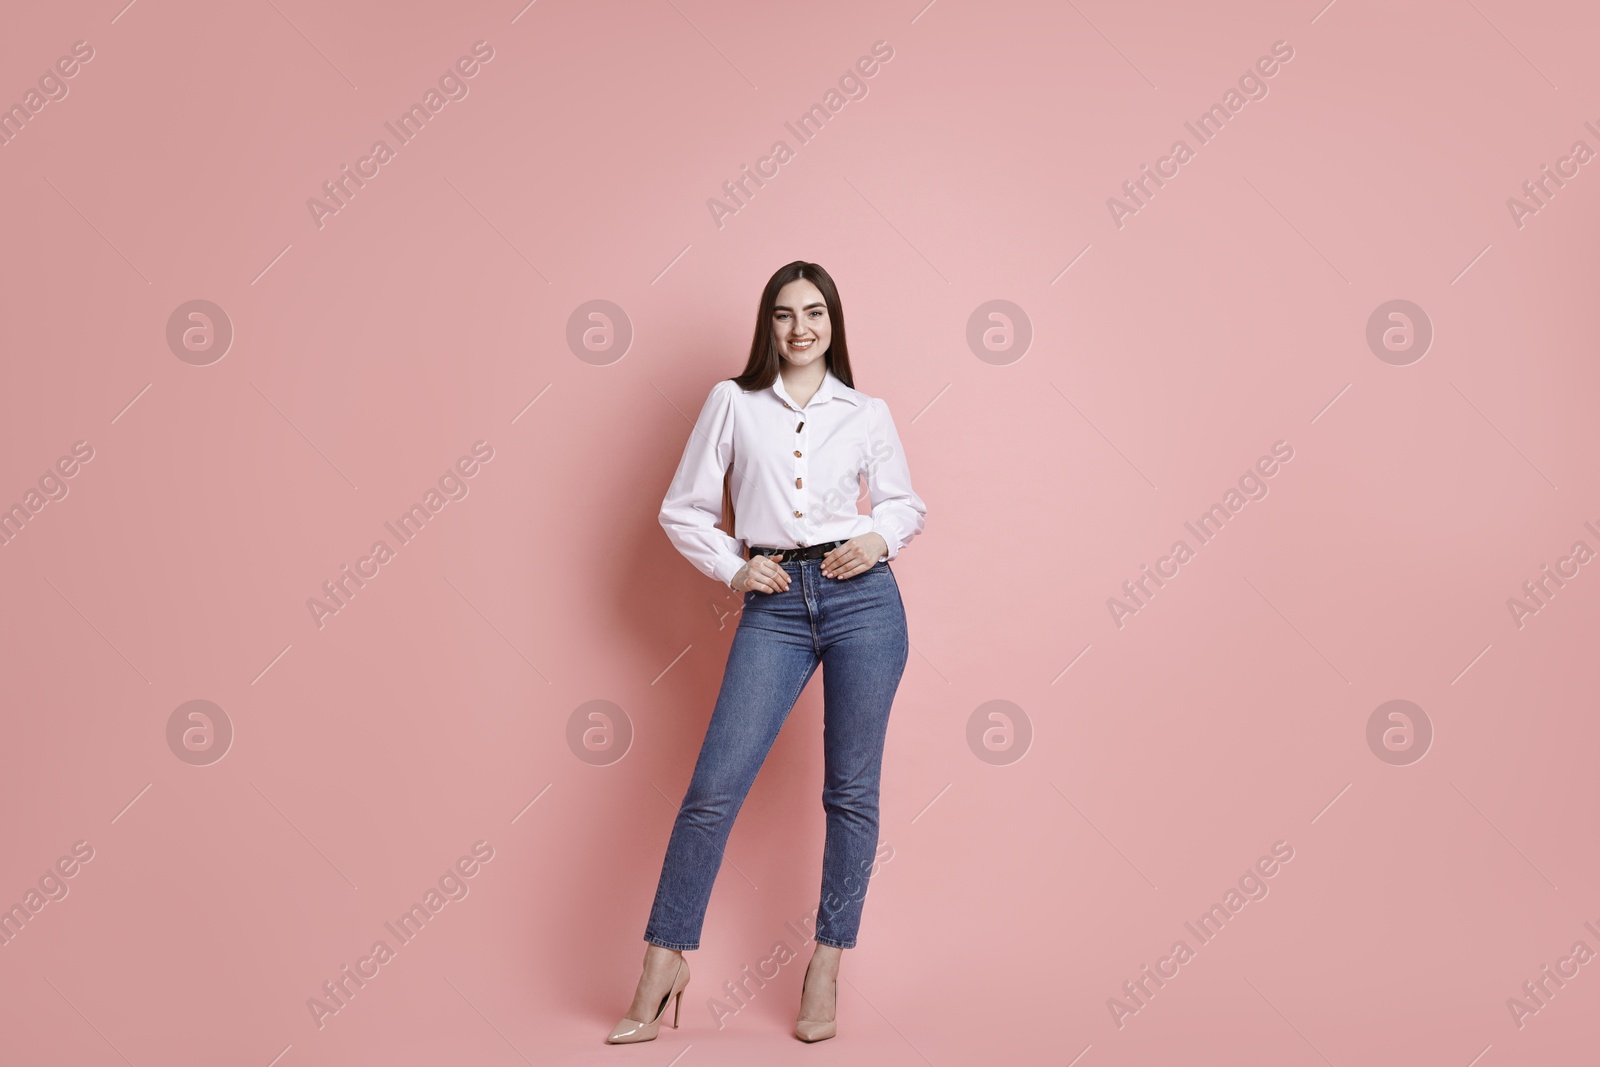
(786, 554)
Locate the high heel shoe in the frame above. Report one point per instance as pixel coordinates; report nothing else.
(818, 1029)
(629, 1030)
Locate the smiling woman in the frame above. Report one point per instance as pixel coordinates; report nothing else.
(819, 592)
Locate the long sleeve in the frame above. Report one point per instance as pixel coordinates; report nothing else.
(898, 513)
(693, 504)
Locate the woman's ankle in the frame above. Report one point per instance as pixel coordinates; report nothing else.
(660, 954)
(826, 958)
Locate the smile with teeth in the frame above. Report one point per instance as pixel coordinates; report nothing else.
(802, 345)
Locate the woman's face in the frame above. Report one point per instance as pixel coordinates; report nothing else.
(800, 323)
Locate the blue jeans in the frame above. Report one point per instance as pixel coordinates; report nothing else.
(856, 629)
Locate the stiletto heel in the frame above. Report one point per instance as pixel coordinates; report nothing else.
(630, 1030)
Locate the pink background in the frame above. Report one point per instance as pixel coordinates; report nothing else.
(369, 354)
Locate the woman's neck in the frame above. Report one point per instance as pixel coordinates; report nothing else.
(802, 383)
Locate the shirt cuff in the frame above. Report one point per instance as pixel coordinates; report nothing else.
(725, 568)
(890, 538)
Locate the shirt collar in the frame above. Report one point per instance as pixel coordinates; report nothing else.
(831, 388)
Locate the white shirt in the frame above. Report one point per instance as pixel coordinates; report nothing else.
(795, 474)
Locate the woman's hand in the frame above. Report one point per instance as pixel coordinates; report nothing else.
(854, 556)
(761, 574)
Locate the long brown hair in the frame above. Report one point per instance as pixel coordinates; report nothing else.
(761, 370)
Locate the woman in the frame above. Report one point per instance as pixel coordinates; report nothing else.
(787, 441)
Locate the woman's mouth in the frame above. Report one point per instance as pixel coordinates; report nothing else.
(801, 346)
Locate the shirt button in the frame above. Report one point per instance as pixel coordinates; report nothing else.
(798, 484)
(798, 514)
(797, 453)
(802, 426)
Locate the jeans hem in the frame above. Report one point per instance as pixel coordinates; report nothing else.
(676, 946)
(819, 939)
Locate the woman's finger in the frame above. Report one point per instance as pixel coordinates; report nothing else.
(850, 565)
(770, 575)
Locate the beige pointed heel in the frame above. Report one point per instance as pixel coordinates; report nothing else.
(630, 1030)
(819, 1029)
